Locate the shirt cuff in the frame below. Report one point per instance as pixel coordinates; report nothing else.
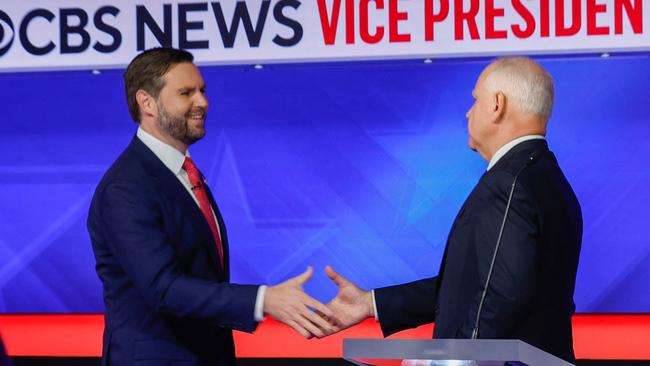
(259, 304)
(374, 305)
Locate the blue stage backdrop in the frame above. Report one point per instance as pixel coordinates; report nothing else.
(361, 166)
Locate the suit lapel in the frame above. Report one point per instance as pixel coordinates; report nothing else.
(222, 227)
(178, 193)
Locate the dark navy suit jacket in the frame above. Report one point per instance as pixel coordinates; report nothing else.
(4, 359)
(530, 296)
(168, 301)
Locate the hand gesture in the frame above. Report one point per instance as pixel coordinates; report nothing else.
(289, 304)
(351, 305)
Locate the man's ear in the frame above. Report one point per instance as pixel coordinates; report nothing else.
(499, 103)
(147, 103)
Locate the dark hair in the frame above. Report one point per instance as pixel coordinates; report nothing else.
(146, 72)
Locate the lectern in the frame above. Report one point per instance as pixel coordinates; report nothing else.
(448, 352)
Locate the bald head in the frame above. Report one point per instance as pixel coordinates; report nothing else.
(528, 87)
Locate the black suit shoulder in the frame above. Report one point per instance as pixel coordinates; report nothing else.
(546, 321)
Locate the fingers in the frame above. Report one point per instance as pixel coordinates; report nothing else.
(298, 328)
(292, 306)
(328, 318)
(318, 319)
(304, 277)
(323, 324)
(318, 306)
(335, 277)
(315, 324)
(308, 324)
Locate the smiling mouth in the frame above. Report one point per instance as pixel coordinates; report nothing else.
(197, 116)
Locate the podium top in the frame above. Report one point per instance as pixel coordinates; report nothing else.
(483, 351)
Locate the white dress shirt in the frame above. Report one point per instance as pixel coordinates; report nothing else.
(173, 160)
(507, 147)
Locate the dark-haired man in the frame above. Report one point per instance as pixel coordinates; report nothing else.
(160, 242)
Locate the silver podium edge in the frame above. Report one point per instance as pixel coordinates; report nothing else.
(480, 350)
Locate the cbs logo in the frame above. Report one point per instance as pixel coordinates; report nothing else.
(73, 35)
(6, 33)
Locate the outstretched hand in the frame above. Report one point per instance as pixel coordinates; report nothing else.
(351, 304)
(289, 304)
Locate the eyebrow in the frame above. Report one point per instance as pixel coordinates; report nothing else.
(191, 88)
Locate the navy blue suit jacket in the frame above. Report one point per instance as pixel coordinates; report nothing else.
(530, 296)
(4, 359)
(168, 301)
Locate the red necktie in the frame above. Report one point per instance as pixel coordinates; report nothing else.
(204, 203)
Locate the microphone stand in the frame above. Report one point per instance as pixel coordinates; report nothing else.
(531, 160)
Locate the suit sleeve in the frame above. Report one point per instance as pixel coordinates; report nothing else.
(406, 306)
(515, 269)
(132, 226)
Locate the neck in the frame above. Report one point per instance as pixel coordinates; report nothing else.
(517, 126)
(509, 140)
(150, 128)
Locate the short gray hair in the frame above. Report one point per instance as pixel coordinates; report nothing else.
(524, 81)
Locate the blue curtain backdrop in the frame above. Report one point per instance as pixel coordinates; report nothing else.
(361, 166)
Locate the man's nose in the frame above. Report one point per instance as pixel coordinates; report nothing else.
(201, 101)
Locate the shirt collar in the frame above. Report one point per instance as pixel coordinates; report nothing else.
(507, 147)
(172, 158)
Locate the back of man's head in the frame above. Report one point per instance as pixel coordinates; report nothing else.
(525, 83)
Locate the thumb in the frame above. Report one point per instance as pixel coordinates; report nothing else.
(335, 277)
(304, 277)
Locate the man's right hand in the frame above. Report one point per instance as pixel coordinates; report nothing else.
(289, 304)
(351, 305)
